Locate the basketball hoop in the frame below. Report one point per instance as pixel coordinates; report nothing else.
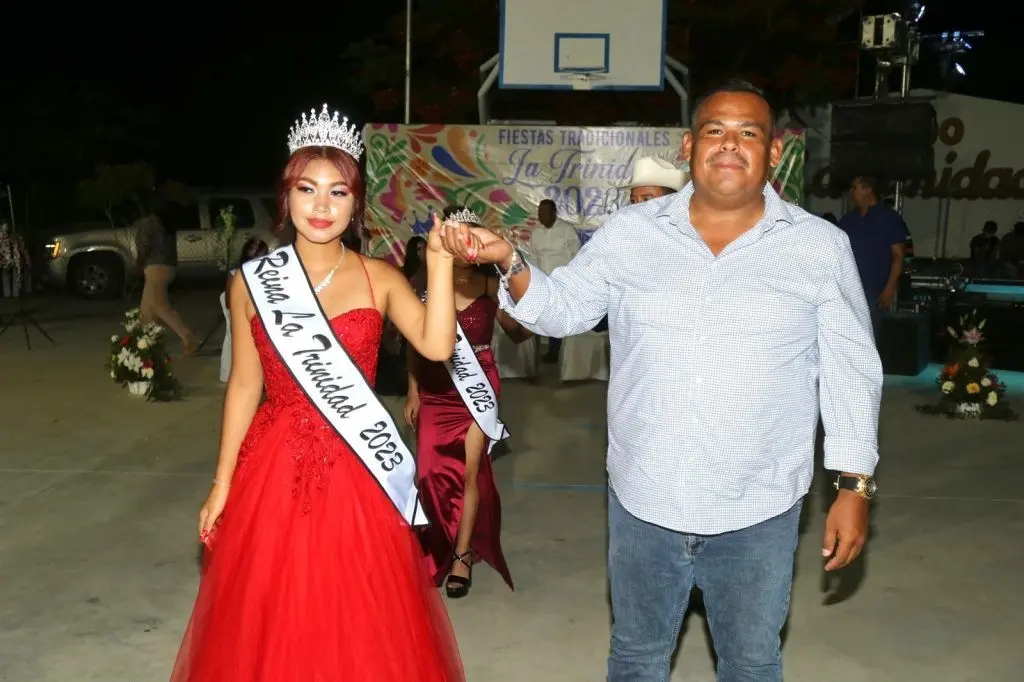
(583, 81)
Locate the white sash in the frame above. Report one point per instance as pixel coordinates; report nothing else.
(303, 338)
(475, 388)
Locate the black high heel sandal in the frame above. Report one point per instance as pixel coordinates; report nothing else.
(456, 586)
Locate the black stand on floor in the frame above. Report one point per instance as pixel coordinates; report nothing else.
(209, 334)
(25, 317)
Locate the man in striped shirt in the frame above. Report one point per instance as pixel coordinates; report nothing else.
(728, 337)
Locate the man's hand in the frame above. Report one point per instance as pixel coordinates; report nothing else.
(885, 300)
(846, 530)
(475, 244)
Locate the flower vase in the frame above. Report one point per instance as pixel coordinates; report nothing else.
(139, 388)
(968, 410)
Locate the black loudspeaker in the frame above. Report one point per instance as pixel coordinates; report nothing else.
(885, 161)
(889, 140)
(904, 343)
(902, 123)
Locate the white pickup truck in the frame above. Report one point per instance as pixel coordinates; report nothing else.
(99, 263)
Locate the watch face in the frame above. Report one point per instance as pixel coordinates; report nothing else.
(870, 487)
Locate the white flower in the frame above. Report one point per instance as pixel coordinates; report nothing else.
(973, 362)
(113, 374)
(113, 338)
(147, 372)
(134, 312)
(134, 362)
(123, 357)
(143, 343)
(986, 382)
(948, 387)
(992, 398)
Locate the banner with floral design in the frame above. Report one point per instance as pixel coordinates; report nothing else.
(502, 173)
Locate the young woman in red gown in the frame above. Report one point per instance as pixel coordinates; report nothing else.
(454, 470)
(310, 573)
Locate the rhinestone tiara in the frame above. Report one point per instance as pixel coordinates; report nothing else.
(465, 216)
(325, 131)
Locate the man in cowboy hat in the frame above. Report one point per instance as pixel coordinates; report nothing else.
(653, 178)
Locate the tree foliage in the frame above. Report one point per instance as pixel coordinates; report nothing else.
(792, 48)
(126, 192)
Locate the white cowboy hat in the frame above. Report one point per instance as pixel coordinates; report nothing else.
(651, 171)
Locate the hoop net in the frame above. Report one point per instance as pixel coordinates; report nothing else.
(582, 81)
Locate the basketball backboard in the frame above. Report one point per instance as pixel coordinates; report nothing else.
(582, 44)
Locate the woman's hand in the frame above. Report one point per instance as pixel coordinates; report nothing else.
(412, 409)
(475, 244)
(435, 240)
(469, 245)
(212, 509)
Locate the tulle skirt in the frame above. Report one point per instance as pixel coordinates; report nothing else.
(312, 575)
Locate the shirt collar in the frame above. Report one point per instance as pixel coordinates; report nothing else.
(677, 210)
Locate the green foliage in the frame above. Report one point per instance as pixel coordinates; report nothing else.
(968, 388)
(138, 354)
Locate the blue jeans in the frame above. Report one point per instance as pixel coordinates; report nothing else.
(746, 577)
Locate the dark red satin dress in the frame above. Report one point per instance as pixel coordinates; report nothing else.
(312, 575)
(441, 431)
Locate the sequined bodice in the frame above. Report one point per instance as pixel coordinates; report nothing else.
(358, 330)
(313, 445)
(477, 321)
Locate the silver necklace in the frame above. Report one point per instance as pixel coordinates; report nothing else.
(330, 275)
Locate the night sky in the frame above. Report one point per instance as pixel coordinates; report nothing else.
(226, 88)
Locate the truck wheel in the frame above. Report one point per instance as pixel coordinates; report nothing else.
(96, 276)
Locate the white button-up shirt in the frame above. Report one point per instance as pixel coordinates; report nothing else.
(552, 247)
(720, 364)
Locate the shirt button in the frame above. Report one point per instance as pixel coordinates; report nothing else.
(699, 381)
(702, 339)
(707, 299)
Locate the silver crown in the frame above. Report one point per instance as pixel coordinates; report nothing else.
(325, 131)
(465, 216)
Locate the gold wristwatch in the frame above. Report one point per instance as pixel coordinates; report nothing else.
(862, 485)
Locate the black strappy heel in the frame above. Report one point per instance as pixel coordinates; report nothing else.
(457, 587)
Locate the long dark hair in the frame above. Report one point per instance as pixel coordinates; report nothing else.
(252, 248)
(412, 262)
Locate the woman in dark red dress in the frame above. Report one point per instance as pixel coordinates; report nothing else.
(311, 573)
(453, 467)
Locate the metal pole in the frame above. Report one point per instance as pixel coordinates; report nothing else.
(481, 94)
(408, 59)
(908, 61)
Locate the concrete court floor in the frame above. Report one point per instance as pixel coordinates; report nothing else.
(98, 494)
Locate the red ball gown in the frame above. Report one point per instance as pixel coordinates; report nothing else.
(441, 454)
(312, 574)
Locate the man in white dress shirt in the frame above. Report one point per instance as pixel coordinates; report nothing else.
(729, 337)
(553, 243)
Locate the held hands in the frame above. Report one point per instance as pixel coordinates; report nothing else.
(475, 244)
(846, 530)
(436, 242)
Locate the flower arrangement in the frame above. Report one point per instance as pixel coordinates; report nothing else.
(139, 361)
(226, 222)
(970, 390)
